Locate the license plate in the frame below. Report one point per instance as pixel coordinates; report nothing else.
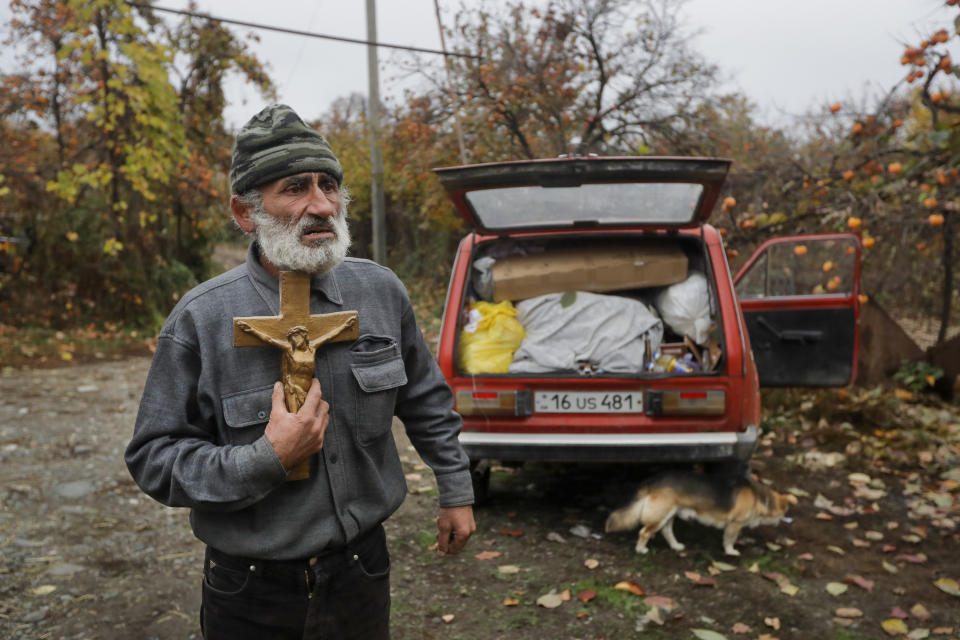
(588, 401)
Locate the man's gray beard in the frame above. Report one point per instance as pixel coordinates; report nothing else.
(280, 241)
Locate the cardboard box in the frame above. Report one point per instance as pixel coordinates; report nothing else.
(599, 268)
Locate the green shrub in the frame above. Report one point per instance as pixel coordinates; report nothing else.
(917, 375)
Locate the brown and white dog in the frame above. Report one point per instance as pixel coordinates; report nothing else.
(726, 503)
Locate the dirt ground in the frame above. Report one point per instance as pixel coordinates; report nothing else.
(83, 554)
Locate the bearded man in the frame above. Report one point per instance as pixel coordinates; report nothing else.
(306, 558)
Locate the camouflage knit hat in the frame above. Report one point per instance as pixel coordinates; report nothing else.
(276, 143)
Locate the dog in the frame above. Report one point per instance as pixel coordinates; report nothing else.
(726, 503)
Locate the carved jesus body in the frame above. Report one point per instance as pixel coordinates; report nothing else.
(299, 355)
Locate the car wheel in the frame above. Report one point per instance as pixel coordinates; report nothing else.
(480, 476)
(730, 469)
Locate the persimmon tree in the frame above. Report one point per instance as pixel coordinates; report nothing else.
(116, 176)
(886, 168)
(927, 176)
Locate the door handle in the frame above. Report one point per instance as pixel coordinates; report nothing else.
(791, 335)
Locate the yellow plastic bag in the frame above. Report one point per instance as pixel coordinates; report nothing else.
(487, 343)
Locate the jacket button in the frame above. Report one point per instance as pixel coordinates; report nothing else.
(333, 458)
(262, 415)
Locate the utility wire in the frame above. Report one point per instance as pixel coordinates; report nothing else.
(297, 32)
(303, 44)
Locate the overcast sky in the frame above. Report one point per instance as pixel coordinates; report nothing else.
(786, 55)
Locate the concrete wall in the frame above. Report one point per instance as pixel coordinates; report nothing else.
(883, 346)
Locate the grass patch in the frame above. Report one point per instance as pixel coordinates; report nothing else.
(425, 538)
(519, 620)
(768, 562)
(616, 599)
(643, 563)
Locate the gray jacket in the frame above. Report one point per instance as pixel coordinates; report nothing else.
(199, 437)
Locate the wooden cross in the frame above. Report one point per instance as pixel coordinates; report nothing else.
(298, 335)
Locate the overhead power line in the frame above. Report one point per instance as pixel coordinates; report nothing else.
(256, 25)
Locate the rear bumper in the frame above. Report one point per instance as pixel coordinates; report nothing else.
(635, 447)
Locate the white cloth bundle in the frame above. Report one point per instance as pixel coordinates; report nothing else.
(566, 331)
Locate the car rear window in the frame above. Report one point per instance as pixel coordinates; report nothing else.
(613, 204)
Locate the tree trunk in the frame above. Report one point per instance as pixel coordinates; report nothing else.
(947, 296)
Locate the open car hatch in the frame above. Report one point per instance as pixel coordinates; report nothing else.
(586, 192)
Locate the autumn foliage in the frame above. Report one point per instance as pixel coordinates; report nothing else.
(887, 169)
(113, 172)
(114, 159)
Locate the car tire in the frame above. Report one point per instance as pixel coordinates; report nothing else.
(480, 477)
(730, 469)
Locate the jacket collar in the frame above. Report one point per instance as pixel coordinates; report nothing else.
(264, 282)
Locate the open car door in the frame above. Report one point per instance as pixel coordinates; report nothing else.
(800, 300)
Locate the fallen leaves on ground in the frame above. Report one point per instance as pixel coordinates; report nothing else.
(586, 595)
(632, 587)
(707, 634)
(662, 602)
(860, 581)
(895, 627)
(699, 580)
(653, 615)
(783, 582)
(550, 601)
(487, 555)
(919, 612)
(913, 558)
(948, 585)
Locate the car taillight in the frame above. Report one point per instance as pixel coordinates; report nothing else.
(494, 403)
(690, 402)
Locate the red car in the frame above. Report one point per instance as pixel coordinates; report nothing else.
(592, 315)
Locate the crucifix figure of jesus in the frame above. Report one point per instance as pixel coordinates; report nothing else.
(298, 335)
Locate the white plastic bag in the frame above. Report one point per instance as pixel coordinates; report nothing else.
(483, 278)
(685, 307)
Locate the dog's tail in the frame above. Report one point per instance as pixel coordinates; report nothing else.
(630, 516)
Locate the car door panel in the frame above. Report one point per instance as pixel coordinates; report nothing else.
(804, 347)
(799, 298)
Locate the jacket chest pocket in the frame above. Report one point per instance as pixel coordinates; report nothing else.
(378, 369)
(246, 414)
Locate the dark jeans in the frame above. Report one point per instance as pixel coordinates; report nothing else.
(344, 595)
